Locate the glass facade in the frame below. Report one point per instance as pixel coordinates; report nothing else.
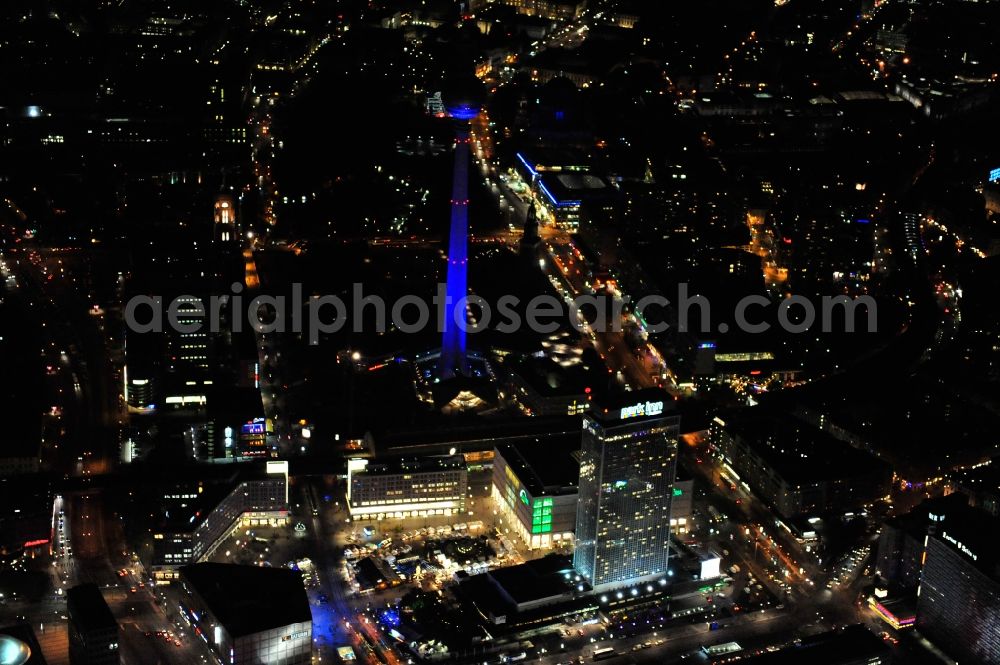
(626, 488)
(958, 607)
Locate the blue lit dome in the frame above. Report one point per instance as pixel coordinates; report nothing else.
(463, 97)
(463, 111)
(13, 651)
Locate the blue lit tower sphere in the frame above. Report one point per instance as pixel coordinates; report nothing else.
(13, 651)
(462, 98)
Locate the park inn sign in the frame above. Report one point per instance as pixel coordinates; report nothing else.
(642, 409)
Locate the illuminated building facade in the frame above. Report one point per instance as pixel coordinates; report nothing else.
(682, 506)
(189, 340)
(249, 614)
(563, 182)
(958, 602)
(405, 488)
(535, 490)
(26, 512)
(199, 518)
(225, 219)
(627, 469)
(554, 10)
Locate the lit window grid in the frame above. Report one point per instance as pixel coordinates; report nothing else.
(626, 489)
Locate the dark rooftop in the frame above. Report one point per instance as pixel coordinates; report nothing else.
(88, 609)
(971, 533)
(545, 466)
(832, 648)
(214, 483)
(21, 390)
(983, 479)
(249, 599)
(531, 581)
(481, 434)
(374, 573)
(798, 451)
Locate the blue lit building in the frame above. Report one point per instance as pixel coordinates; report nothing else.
(563, 183)
(454, 359)
(627, 472)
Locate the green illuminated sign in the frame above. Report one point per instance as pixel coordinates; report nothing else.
(541, 515)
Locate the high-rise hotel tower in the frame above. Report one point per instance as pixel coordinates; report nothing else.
(627, 468)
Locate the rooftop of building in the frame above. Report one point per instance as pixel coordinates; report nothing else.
(915, 522)
(210, 484)
(21, 390)
(374, 572)
(971, 534)
(532, 581)
(799, 452)
(566, 189)
(88, 610)
(981, 479)
(545, 466)
(412, 465)
(479, 434)
(249, 599)
(553, 159)
(562, 376)
(832, 648)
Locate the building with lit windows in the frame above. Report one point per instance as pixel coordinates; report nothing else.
(554, 384)
(535, 490)
(627, 470)
(198, 515)
(248, 614)
(563, 183)
(958, 602)
(407, 487)
(797, 468)
(981, 485)
(554, 10)
(682, 505)
(26, 513)
(225, 219)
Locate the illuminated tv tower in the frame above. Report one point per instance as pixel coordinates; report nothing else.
(462, 107)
